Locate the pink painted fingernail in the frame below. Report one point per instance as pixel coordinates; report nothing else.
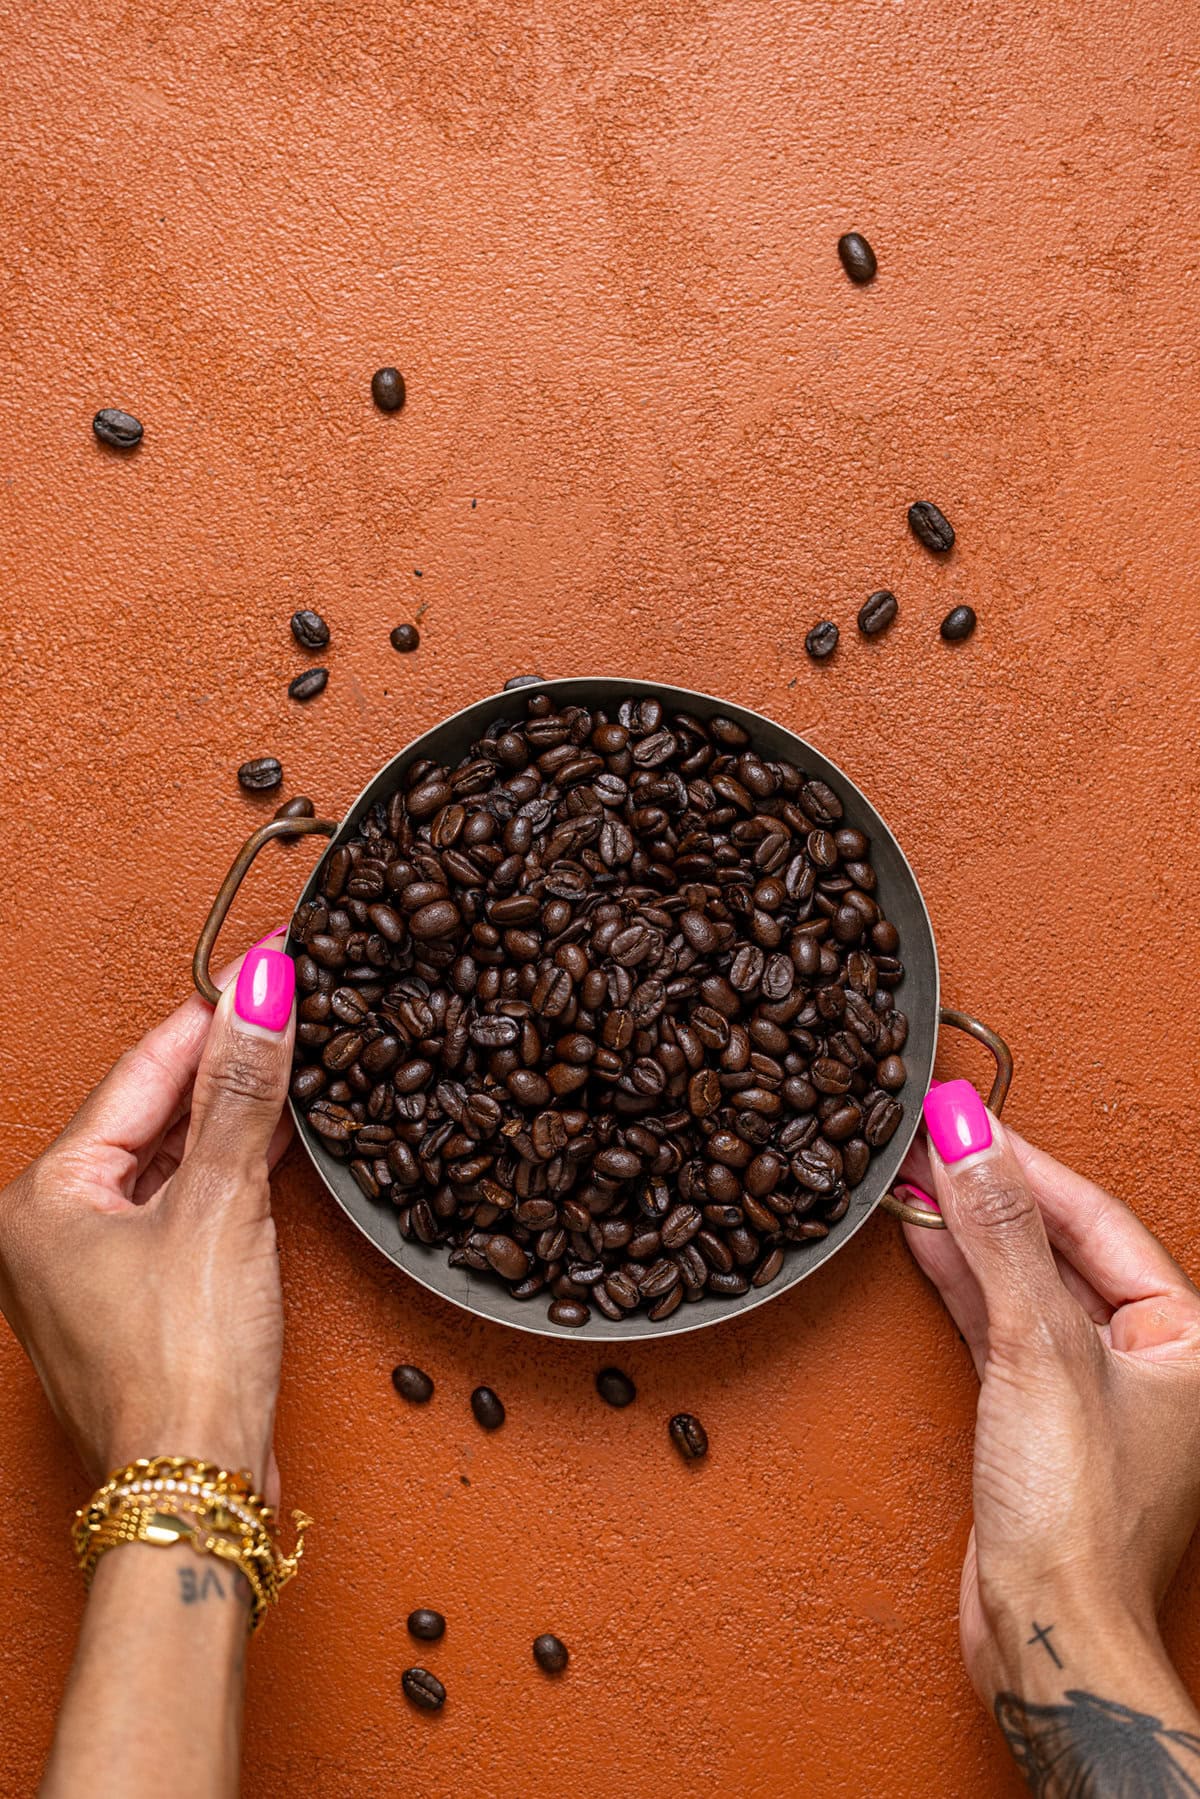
(957, 1121)
(266, 987)
(908, 1190)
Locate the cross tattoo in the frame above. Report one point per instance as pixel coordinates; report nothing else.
(1041, 1634)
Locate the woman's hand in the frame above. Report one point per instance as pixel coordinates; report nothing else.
(1086, 1338)
(138, 1263)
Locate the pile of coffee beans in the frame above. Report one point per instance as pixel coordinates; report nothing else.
(606, 1010)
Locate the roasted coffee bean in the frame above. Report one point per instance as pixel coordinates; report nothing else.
(412, 1383)
(487, 1407)
(120, 429)
(260, 775)
(822, 640)
(425, 1690)
(300, 807)
(404, 638)
(615, 1388)
(604, 1010)
(309, 684)
(930, 526)
(550, 1653)
(310, 630)
(876, 614)
(427, 1625)
(857, 257)
(689, 1436)
(958, 624)
(387, 389)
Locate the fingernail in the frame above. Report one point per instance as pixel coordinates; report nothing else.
(957, 1121)
(907, 1191)
(265, 989)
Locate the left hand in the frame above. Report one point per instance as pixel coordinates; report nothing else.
(138, 1263)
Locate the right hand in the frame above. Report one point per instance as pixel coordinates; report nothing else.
(138, 1263)
(1085, 1335)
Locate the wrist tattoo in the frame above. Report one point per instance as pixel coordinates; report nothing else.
(1093, 1748)
(1041, 1634)
(198, 1584)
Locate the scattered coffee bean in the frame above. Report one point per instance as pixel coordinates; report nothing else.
(260, 774)
(822, 640)
(550, 1653)
(522, 681)
(930, 526)
(858, 258)
(387, 389)
(427, 1625)
(604, 1010)
(958, 623)
(309, 684)
(300, 807)
(689, 1436)
(412, 1384)
(405, 637)
(120, 429)
(615, 1388)
(310, 630)
(877, 613)
(424, 1689)
(488, 1408)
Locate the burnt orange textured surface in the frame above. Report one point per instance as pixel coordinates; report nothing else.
(651, 429)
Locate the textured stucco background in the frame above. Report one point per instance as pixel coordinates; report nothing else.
(651, 429)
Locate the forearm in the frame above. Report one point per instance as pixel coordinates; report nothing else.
(154, 1698)
(1090, 1703)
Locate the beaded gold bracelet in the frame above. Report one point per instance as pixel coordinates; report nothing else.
(171, 1499)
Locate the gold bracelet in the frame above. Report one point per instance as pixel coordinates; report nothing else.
(173, 1499)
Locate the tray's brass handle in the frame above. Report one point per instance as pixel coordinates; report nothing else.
(1001, 1082)
(278, 827)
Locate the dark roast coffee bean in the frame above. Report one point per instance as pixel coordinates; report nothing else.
(689, 1436)
(308, 685)
(858, 258)
(387, 389)
(260, 774)
(300, 807)
(930, 526)
(571, 1312)
(310, 630)
(958, 624)
(427, 1625)
(877, 613)
(488, 1410)
(405, 638)
(120, 429)
(550, 1653)
(412, 1384)
(425, 1690)
(615, 1388)
(822, 640)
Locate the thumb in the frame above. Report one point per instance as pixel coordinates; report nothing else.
(242, 1081)
(991, 1212)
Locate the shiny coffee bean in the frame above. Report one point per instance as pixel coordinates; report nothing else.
(689, 1436)
(550, 1653)
(426, 1625)
(615, 1388)
(424, 1690)
(958, 624)
(404, 638)
(260, 774)
(412, 1384)
(119, 429)
(487, 1407)
(310, 630)
(300, 807)
(822, 640)
(930, 525)
(877, 613)
(308, 684)
(857, 256)
(387, 389)
(515, 681)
